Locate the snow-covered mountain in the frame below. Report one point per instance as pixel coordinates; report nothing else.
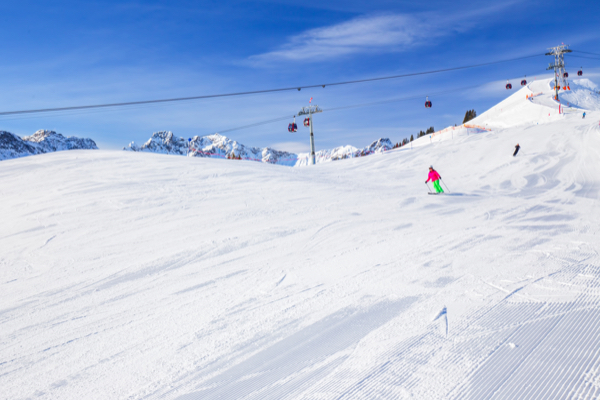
(216, 145)
(220, 146)
(43, 141)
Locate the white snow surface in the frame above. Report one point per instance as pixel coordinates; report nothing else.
(583, 94)
(145, 276)
(516, 110)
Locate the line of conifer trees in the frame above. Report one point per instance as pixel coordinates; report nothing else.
(405, 141)
(469, 115)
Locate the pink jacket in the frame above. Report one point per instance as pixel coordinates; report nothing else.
(433, 176)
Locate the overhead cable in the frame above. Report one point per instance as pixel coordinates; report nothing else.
(586, 52)
(589, 58)
(130, 103)
(375, 103)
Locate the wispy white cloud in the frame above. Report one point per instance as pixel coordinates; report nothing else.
(364, 34)
(375, 34)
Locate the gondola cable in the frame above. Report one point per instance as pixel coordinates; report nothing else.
(131, 103)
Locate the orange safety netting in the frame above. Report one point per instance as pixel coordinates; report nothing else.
(452, 128)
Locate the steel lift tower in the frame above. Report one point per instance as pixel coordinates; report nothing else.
(310, 110)
(560, 75)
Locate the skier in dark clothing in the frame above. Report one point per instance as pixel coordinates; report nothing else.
(517, 147)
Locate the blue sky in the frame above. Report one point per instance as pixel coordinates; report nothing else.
(64, 53)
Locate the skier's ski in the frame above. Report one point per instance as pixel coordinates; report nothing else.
(434, 193)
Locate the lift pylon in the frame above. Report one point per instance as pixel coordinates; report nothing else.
(310, 110)
(560, 75)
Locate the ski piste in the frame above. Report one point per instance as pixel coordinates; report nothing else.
(303, 290)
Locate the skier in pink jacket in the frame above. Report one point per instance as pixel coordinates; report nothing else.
(435, 178)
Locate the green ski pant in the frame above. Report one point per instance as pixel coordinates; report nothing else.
(438, 188)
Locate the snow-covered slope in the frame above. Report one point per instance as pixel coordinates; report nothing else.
(534, 104)
(200, 278)
(584, 94)
(219, 146)
(43, 141)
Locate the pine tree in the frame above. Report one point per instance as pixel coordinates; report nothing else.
(469, 115)
(411, 138)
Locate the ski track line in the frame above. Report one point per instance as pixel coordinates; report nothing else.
(490, 382)
(593, 364)
(558, 371)
(491, 317)
(399, 354)
(481, 343)
(578, 318)
(335, 385)
(278, 368)
(408, 355)
(589, 339)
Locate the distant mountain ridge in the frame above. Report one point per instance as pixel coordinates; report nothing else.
(42, 141)
(220, 146)
(216, 145)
